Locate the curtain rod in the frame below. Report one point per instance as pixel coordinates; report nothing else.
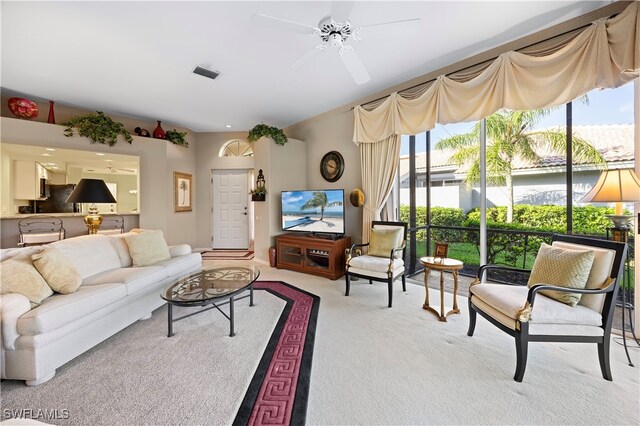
(480, 63)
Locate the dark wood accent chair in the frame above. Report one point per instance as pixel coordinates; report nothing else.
(531, 317)
(374, 268)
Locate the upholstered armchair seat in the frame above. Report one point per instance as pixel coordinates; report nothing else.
(375, 266)
(548, 316)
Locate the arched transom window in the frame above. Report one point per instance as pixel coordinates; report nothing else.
(237, 148)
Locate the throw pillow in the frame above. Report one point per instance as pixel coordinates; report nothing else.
(147, 248)
(59, 273)
(382, 241)
(563, 268)
(17, 275)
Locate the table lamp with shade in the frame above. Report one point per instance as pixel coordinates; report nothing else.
(616, 186)
(91, 191)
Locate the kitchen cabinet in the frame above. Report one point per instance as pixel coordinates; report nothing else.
(29, 180)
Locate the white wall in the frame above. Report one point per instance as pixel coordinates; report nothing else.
(334, 133)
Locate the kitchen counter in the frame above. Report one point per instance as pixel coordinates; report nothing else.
(20, 216)
(73, 224)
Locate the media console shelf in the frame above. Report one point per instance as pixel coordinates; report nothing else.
(312, 255)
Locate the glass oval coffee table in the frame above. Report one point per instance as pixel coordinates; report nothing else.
(212, 286)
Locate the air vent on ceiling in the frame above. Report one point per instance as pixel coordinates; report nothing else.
(206, 73)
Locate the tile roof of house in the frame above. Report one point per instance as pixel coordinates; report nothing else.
(614, 141)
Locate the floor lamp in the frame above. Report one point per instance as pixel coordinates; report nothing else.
(91, 191)
(619, 186)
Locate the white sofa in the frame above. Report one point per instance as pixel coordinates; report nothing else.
(113, 295)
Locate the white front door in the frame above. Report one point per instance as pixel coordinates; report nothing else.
(230, 201)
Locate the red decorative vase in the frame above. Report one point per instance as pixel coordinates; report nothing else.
(158, 132)
(52, 117)
(23, 108)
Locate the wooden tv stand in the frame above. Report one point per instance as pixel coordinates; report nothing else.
(312, 255)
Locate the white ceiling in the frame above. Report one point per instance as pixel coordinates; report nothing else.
(136, 58)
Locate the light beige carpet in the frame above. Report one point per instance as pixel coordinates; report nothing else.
(371, 365)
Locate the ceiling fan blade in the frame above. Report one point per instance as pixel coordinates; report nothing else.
(282, 24)
(341, 10)
(403, 28)
(313, 52)
(354, 66)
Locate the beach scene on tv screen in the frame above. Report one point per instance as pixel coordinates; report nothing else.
(313, 211)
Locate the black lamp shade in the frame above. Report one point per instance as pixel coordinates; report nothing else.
(91, 191)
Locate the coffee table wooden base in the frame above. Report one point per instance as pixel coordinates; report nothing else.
(453, 268)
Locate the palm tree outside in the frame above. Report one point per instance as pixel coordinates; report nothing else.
(511, 137)
(320, 201)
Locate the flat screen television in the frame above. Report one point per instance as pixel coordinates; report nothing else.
(316, 211)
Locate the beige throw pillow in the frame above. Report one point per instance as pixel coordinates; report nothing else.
(17, 275)
(382, 241)
(59, 273)
(147, 248)
(563, 268)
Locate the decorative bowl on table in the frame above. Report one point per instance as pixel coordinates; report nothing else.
(23, 108)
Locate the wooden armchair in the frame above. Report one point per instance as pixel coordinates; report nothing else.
(529, 316)
(377, 265)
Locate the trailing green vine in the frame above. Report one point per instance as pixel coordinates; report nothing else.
(98, 128)
(176, 138)
(262, 129)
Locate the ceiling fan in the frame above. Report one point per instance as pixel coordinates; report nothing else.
(336, 31)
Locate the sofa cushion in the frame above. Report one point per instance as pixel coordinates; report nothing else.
(147, 248)
(57, 271)
(134, 278)
(509, 299)
(89, 254)
(182, 264)
(563, 268)
(123, 249)
(18, 275)
(61, 309)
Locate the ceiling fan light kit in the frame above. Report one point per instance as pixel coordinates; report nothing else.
(334, 31)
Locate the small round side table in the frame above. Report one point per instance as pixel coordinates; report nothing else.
(441, 264)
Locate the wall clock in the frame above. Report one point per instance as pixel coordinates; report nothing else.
(332, 166)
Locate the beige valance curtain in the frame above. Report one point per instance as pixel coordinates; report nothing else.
(604, 55)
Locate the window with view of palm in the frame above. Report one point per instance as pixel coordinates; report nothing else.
(511, 136)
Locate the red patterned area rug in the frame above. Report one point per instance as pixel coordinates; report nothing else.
(227, 255)
(279, 391)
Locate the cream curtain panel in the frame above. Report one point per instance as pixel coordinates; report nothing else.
(604, 55)
(379, 163)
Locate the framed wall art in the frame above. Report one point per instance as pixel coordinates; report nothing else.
(182, 184)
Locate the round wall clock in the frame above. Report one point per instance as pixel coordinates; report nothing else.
(332, 166)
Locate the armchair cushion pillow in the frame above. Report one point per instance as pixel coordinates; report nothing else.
(147, 248)
(17, 275)
(562, 268)
(382, 241)
(57, 271)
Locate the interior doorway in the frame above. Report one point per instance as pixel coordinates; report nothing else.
(230, 214)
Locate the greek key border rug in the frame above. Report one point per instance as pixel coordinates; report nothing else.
(279, 391)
